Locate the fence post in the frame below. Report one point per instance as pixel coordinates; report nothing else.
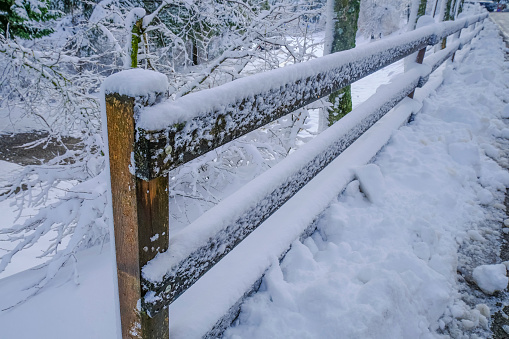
(419, 59)
(421, 21)
(140, 207)
(458, 36)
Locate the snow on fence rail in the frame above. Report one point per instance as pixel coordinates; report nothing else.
(147, 137)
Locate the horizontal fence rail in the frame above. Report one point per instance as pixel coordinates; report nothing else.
(165, 135)
(203, 121)
(193, 261)
(232, 226)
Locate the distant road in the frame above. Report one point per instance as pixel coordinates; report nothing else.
(502, 20)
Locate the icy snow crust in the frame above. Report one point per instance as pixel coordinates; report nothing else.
(135, 83)
(200, 122)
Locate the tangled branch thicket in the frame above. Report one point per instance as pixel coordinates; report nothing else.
(54, 80)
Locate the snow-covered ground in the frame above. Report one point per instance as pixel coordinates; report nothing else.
(383, 261)
(383, 265)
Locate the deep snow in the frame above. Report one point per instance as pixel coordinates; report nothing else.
(383, 261)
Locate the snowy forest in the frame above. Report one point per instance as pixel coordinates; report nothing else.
(56, 54)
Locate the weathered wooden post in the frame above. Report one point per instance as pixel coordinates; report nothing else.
(456, 36)
(421, 21)
(140, 207)
(419, 59)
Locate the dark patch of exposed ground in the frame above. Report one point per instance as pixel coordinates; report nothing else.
(12, 150)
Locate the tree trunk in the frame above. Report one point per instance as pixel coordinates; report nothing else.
(460, 7)
(194, 52)
(422, 8)
(344, 15)
(447, 17)
(417, 9)
(448, 11)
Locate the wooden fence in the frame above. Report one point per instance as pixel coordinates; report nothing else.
(148, 136)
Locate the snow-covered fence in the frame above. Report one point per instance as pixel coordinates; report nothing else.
(148, 136)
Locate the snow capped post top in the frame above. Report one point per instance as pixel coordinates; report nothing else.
(136, 82)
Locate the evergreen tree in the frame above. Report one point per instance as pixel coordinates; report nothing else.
(23, 18)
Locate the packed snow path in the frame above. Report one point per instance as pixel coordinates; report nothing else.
(383, 262)
(502, 20)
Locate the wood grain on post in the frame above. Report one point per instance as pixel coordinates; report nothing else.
(141, 219)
